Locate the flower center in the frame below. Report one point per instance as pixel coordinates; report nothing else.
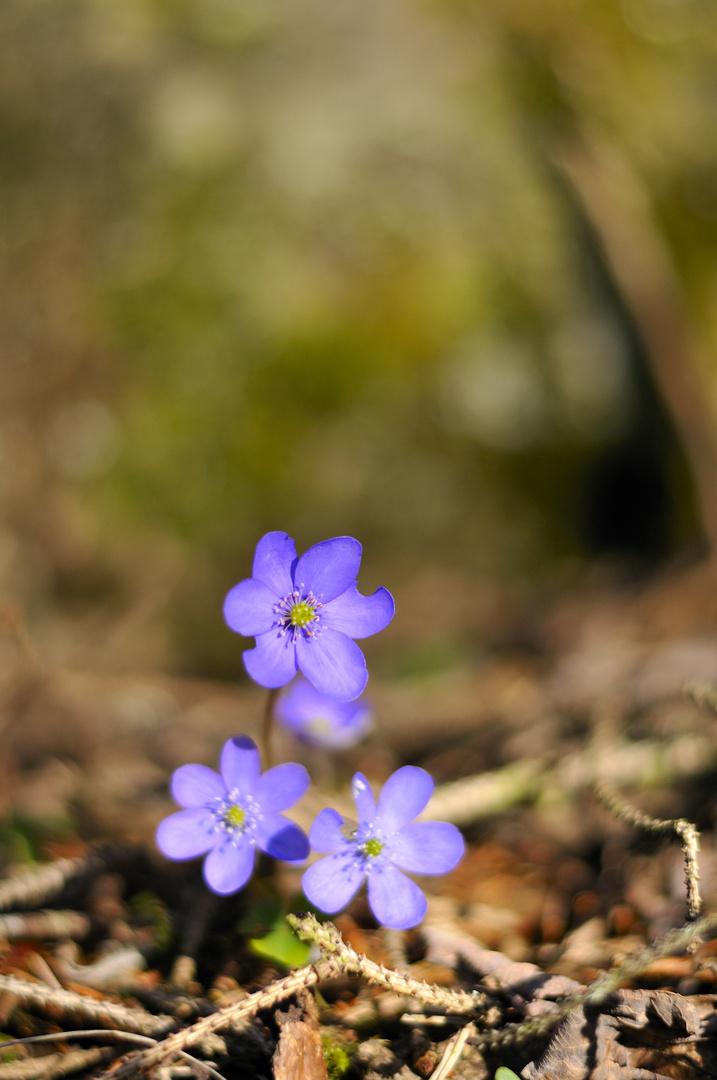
(319, 725)
(372, 848)
(299, 614)
(235, 817)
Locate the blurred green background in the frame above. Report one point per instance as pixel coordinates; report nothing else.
(440, 275)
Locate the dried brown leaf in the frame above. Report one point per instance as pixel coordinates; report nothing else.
(299, 1054)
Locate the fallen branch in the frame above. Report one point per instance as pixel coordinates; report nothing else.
(642, 764)
(235, 1016)
(32, 886)
(684, 937)
(685, 830)
(67, 1003)
(44, 926)
(338, 958)
(329, 940)
(103, 1033)
(473, 797)
(57, 1065)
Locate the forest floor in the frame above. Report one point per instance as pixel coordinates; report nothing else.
(127, 963)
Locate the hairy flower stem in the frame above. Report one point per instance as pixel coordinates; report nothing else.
(267, 728)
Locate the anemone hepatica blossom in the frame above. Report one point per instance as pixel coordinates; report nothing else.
(227, 817)
(305, 613)
(320, 721)
(385, 842)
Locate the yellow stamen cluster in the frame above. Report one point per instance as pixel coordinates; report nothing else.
(235, 817)
(373, 847)
(302, 613)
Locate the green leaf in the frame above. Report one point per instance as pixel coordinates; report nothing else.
(505, 1074)
(264, 922)
(281, 945)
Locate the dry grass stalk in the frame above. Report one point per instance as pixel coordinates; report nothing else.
(453, 1052)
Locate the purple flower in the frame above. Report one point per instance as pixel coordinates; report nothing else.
(320, 721)
(304, 613)
(227, 817)
(385, 842)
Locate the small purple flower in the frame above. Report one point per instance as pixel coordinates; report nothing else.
(320, 721)
(227, 817)
(304, 614)
(386, 841)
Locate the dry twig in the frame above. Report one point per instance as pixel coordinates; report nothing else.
(646, 763)
(338, 958)
(67, 1003)
(31, 886)
(97, 1033)
(57, 1065)
(684, 937)
(116, 969)
(44, 926)
(473, 797)
(235, 1016)
(685, 830)
(329, 940)
(184, 970)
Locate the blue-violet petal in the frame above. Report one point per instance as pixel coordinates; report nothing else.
(395, 900)
(280, 787)
(274, 561)
(333, 663)
(320, 721)
(186, 834)
(329, 568)
(363, 797)
(281, 838)
(240, 764)
(404, 795)
(331, 882)
(228, 867)
(249, 608)
(359, 616)
(325, 834)
(196, 785)
(272, 663)
(428, 847)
